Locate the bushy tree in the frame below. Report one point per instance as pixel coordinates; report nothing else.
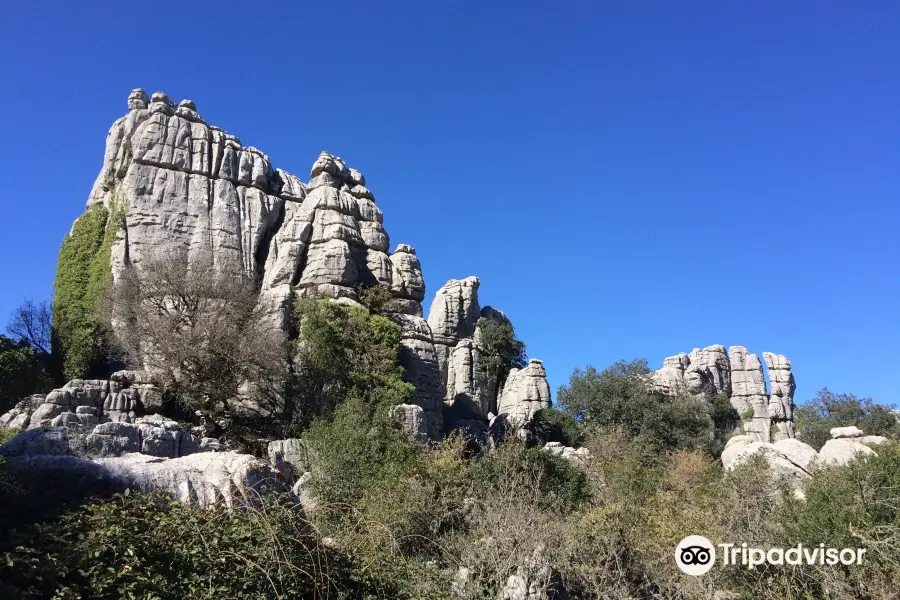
(22, 372)
(499, 351)
(344, 352)
(623, 397)
(815, 419)
(199, 330)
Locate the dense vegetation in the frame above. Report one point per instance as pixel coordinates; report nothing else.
(816, 417)
(82, 279)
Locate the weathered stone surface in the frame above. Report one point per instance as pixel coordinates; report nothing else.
(290, 457)
(408, 281)
(43, 440)
(705, 371)
(788, 458)
(872, 440)
(453, 315)
(525, 392)
(203, 479)
(467, 397)
(419, 359)
(841, 451)
(152, 435)
(846, 432)
(748, 394)
(411, 418)
(781, 396)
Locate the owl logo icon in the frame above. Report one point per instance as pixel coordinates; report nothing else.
(695, 555)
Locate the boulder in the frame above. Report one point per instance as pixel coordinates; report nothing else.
(789, 459)
(846, 432)
(838, 452)
(39, 441)
(525, 392)
(290, 457)
(411, 418)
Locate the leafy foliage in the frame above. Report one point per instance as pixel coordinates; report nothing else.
(143, 546)
(344, 353)
(552, 425)
(622, 397)
(22, 372)
(82, 277)
(499, 350)
(815, 418)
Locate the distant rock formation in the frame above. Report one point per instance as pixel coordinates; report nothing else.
(710, 371)
(794, 460)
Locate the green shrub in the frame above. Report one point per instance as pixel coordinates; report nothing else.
(551, 425)
(82, 282)
(344, 352)
(144, 546)
(817, 417)
(22, 373)
(500, 350)
(622, 397)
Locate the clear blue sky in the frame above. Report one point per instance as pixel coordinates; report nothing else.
(627, 178)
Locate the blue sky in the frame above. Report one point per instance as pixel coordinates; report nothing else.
(628, 179)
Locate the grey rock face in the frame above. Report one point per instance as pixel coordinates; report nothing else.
(419, 359)
(44, 440)
(152, 435)
(290, 457)
(525, 392)
(201, 479)
(749, 393)
(781, 398)
(788, 458)
(453, 315)
(851, 431)
(841, 451)
(411, 419)
(710, 371)
(87, 402)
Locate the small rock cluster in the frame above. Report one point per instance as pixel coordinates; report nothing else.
(794, 460)
(122, 398)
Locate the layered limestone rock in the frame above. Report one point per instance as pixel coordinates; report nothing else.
(704, 371)
(525, 392)
(748, 393)
(419, 359)
(200, 478)
(793, 460)
(87, 402)
(738, 373)
(781, 397)
(470, 394)
(453, 315)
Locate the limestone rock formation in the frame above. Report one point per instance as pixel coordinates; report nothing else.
(525, 392)
(788, 458)
(152, 435)
(781, 398)
(201, 478)
(419, 358)
(738, 373)
(126, 395)
(453, 316)
(792, 459)
(411, 419)
(290, 457)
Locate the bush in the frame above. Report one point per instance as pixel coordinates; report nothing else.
(145, 546)
(344, 352)
(817, 417)
(622, 397)
(552, 425)
(22, 372)
(82, 280)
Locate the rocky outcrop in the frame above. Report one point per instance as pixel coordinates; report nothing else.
(525, 392)
(766, 416)
(793, 460)
(419, 359)
(201, 478)
(152, 435)
(453, 316)
(575, 455)
(781, 396)
(411, 418)
(87, 402)
(748, 395)
(290, 457)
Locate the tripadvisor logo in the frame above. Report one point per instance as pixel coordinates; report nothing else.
(696, 555)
